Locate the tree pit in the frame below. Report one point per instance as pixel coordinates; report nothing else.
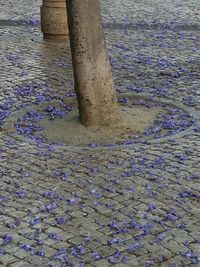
(69, 130)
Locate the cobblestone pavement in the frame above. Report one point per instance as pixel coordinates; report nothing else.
(129, 205)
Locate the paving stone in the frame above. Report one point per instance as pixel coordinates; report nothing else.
(8, 259)
(21, 264)
(100, 263)
(154, 50)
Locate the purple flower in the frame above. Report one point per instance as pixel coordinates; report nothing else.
(181, 226)
(11, 225)
(51, 206)
(171, 216)
(112, 259)
(61, 251)
(26, 90)
(23, 73)
(186, 194)
(117, 254)
(190, 255)
(135, 88)
(128, 142)
(95, 193)
(7, 239)
(39, 242)
(61, 197)
(149, 264)
(2, 251)
(134, 247)
(54, 236)
(26, 247)
(33, 21)
(12, 58)
(81, 249)
(158, 161)
(125, 259)
(93, 145)
(51, 148)
(181, 157)
(114, 225)
(134, 225)
(61, 220)
(64, 176)
(197, 128)
(87, 238)
(40, 253)
(161, 91)
(115, 241)
(40, 98)
(110, 189)
(151, 207)
(175, 75)
(50, 108)
(123, 100)
(190, 101)
(5, 106)
(3, 198)
(96, 255)
(3, 116)
(161, 236)
(54, 112)
(49, 194)
(150, 192)
(164, 63)
(71, 201)
(21, 193)
(74, 252)
(35, 221)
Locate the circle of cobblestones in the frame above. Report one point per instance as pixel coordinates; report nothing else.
(130, 96)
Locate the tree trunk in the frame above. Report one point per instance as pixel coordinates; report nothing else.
(97, 101)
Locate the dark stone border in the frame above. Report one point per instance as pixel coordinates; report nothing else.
(21, 22)
(112, 26)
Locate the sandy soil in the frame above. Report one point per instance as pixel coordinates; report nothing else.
(69, 130)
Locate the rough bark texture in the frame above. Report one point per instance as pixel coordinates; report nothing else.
(92, 72)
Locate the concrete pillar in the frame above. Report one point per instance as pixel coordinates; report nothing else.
(54, 20)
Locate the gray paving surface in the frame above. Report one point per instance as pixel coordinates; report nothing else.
(134, 205)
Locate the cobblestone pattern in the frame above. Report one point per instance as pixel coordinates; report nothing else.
(128, 206)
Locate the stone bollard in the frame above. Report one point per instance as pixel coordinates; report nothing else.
(54, 20)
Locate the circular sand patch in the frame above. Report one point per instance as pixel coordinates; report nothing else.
(57, 121)
(69, 130)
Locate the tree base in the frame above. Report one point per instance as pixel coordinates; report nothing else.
(71, 131)
(141, 121)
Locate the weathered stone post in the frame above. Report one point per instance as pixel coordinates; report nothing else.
(54, 20)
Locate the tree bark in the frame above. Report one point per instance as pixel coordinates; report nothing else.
(97, 101)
